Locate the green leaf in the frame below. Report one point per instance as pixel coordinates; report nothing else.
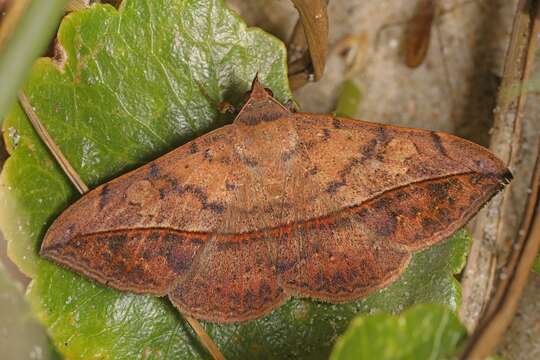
(536, 266)
(136, 83)
(348, 100)
(422, 332)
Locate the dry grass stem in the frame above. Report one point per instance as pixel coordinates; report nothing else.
(489, 250)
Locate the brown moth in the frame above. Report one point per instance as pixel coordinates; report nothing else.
(277, 204)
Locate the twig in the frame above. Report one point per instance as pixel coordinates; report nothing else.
(502, 308)
(205, 339)
(83, 189)
(418, 33)
(51, 145)
(312, 29)
(489, 243)
(439, 13)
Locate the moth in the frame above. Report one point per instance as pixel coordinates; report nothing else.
(274, 205)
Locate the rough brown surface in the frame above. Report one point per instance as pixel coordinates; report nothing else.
(276, 204)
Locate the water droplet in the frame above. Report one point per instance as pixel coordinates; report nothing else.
(14, 136)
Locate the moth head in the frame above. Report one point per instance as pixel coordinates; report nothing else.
(258, 91)
(260, 106)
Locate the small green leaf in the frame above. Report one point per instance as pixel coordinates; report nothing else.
(536, 266)
(422, 332)
(348, 100)
(136, 83)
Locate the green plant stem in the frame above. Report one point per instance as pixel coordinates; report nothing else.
(28, 40)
